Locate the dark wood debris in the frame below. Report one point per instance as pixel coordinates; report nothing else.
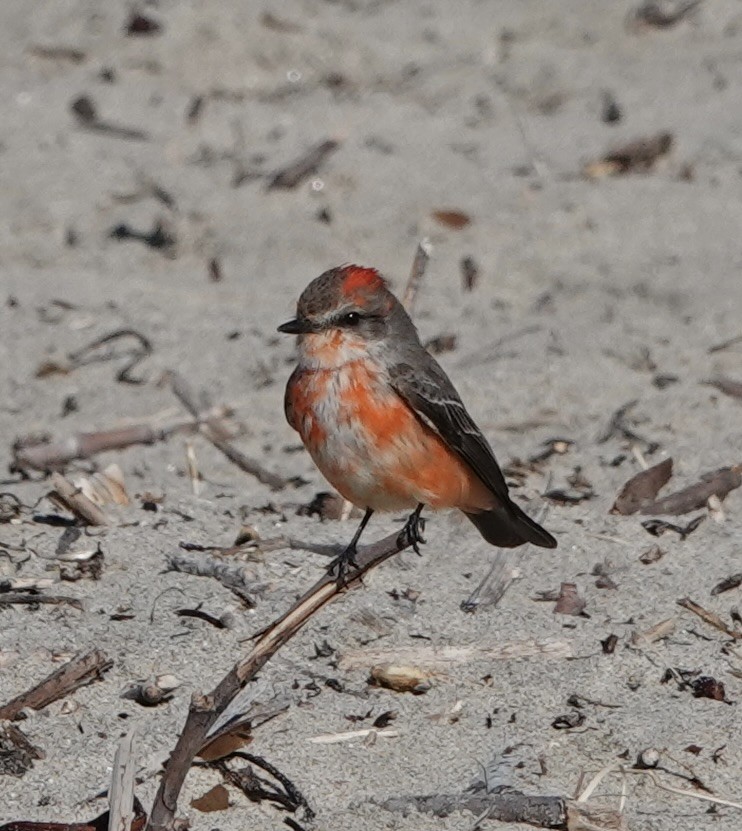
(657, 527)
(279, 789)
(469, 273)
(572, 496)
(727, 584)
(140, 24)
(661, 14)
(160, 238)
(83, 669)
(84, 110)
(716, 483)
(642, 488)
(639, 156)
(568, 721)
(651, 555)
(291, 176)
(608, 644)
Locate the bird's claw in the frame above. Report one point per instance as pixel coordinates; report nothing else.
(340, 566)
(412, 533)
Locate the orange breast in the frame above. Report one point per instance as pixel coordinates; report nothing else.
(372, 447)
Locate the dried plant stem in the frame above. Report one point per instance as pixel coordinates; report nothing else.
(210, 430)
(417, 272)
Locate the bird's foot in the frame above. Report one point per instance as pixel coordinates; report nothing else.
(342, 564)
(412, 533)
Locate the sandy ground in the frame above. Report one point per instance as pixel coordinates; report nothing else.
(588, 290)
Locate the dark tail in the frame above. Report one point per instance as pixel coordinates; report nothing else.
(508, 526)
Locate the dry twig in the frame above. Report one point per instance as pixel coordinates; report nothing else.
(289, 177)
(31, 598)
(619, 426)
(417, 272)
(709, 617)
(56, 455)
(89, 354)
(80, 671)
(205, 709)
(720, 347)
(210, 430)
(501, 575)
(715, 483)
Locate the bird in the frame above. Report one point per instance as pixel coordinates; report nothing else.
(383, 422)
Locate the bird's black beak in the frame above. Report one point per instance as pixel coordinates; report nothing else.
(297, 326)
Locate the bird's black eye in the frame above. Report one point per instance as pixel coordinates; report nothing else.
(351, 319)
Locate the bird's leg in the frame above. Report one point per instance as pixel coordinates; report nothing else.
(412, 533)
(339, 566)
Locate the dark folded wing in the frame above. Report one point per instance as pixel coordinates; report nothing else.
(429, 392)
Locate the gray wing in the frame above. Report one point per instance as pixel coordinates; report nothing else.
(429, 392)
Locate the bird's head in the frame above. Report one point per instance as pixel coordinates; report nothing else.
(342, 313)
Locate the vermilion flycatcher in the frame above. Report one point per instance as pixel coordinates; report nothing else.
(382, 420)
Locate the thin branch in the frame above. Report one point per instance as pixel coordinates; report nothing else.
(501, 575)
(205, 709)
(293, 174)
(417, 272)
(32, 599)
(716, 800)
(209, 429)
(709, 617)
(719, 347)
(78, 672)
(57, 454)
(88, 354)
(254, 787)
